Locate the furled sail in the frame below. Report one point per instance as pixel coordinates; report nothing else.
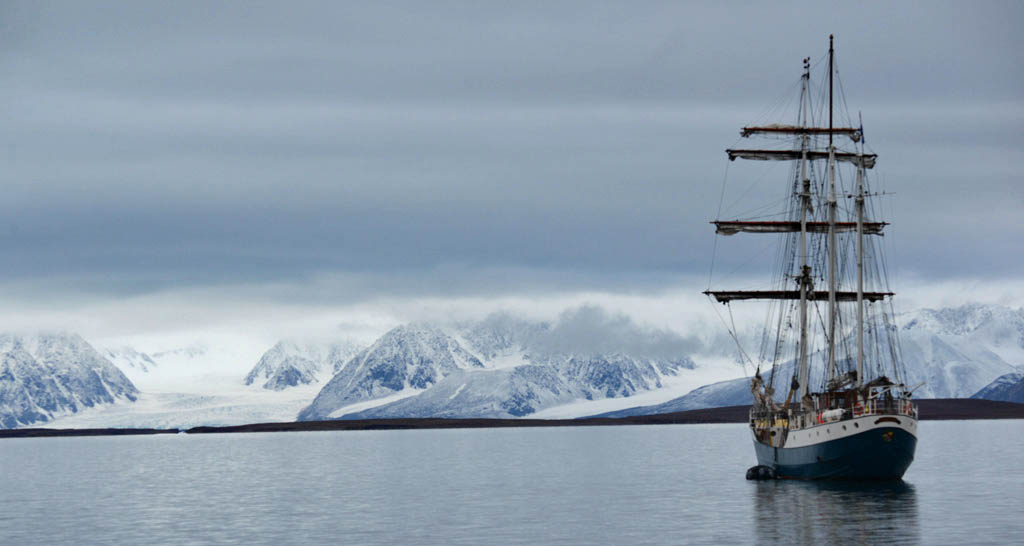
(868, 160)
(733, 295)
(736, 226)
(782, 129)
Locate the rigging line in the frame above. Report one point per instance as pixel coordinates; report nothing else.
(752, 259)
(714, 246)
(780, 103)
(732, 334)
(762, 211)
(773, 205)
(778, 337)
(784, 214)
(757, 181)
(842, 94)
(735, 337)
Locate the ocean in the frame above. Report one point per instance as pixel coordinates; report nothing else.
(667, 484)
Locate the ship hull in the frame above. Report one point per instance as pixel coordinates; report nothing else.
(882, 453)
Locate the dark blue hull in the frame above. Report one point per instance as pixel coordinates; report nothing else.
(882, 453)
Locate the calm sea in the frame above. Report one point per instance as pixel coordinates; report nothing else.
(602, 485)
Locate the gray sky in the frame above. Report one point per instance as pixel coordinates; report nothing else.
(444, 148)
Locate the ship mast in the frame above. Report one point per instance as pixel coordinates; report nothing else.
(805, 202)
(860, 270)
(832, 307)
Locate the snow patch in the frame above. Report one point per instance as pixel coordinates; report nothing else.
(457, 391)
(709, 371)
(354, 408)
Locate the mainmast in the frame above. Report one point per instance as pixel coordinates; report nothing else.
(860, 271)
(832, 277)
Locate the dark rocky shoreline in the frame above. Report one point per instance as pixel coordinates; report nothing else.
(941, 409)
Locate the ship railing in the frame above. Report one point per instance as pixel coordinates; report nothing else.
(888, 406)
(798, 418)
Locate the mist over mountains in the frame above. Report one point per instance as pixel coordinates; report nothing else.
(586, 361)
(504, 366)
(290, 363)
(947, 353)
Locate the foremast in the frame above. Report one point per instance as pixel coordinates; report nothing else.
(804, 279)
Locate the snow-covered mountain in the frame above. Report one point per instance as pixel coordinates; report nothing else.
(734, 392)
(1006, 388)
(524, 390)
(46, 375)
(1001, 328)
(408, 358)
(502, 366)
(126, 357)
(505, 392)
(190, 352)
(947, 353)
(957, 351)
(290, 363)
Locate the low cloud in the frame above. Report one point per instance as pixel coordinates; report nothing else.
(591, 329)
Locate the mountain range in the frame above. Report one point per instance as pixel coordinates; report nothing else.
(587, 361)
(502, 366)
(947, 353)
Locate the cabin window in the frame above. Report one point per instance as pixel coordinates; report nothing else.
(844, 427)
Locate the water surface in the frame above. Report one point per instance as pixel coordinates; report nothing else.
(666, 484)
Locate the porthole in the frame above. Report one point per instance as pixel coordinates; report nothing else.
(855, 425)
(844, 427)
(828, 431)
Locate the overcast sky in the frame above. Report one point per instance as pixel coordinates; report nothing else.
(344, 151)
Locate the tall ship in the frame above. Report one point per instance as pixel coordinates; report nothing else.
(829, 400)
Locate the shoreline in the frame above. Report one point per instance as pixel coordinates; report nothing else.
(939, 409)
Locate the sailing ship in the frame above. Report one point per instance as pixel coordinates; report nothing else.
(830, 343)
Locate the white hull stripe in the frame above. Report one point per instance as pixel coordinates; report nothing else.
(841, 429)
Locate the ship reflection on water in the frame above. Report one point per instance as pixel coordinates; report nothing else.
(835, 512)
